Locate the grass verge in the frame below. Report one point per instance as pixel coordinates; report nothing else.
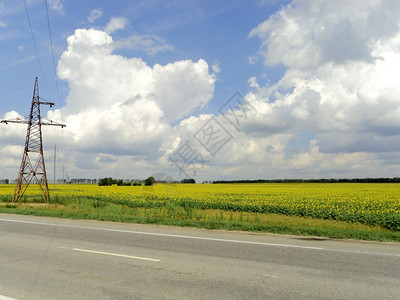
(84, 208)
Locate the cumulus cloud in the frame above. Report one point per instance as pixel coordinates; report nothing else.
(340, 83)
(306, 34)
(119, 111)
(11, 134)
(122, 106)
(334, 113)
(95, 74)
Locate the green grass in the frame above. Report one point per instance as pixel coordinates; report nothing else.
(170, 214)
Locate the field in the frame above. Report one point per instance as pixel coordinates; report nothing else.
(355, 206)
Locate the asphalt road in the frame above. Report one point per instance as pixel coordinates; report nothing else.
(49, 258)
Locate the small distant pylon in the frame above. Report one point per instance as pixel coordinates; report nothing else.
(33, 151)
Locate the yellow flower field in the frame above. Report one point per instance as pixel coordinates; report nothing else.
(369, 203)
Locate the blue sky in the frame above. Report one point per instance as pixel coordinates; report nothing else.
(141, 82)
(216, 31)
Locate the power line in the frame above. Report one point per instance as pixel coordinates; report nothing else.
(52, 54)
(34, 43)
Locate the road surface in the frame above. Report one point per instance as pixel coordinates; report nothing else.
(50, 258)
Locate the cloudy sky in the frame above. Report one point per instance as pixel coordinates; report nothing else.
(205, 89)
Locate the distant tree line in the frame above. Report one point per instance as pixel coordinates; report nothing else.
(82, 181)
(188, 180)
(322, 180)
(120, 182)
(107, 181)
(4, 181)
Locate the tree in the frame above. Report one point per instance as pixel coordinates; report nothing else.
(149, 181)
(107, 181)
(188, 180)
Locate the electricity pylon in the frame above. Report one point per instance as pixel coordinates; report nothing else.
(33, 151)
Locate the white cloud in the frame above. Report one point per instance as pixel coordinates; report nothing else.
(340, 84)
(216, 68)
(151, 44)
(122, 106)
(118, 107)
(11, 133)
(95, 14)
(2, 24)
(345, 99)
(306, 34)
(57, 5)
(115, 24)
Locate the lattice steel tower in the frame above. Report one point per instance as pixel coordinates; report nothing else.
(33, 151)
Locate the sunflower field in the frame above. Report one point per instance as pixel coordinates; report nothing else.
(367, 203)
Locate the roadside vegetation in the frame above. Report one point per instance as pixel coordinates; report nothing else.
(368, 211)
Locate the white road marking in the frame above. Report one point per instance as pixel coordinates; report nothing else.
(6, 298)
(362, 252)
(115, 254)
(267, 275)
(162, 234)
(201, 238)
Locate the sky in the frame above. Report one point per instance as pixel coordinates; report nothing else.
(205, 89)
